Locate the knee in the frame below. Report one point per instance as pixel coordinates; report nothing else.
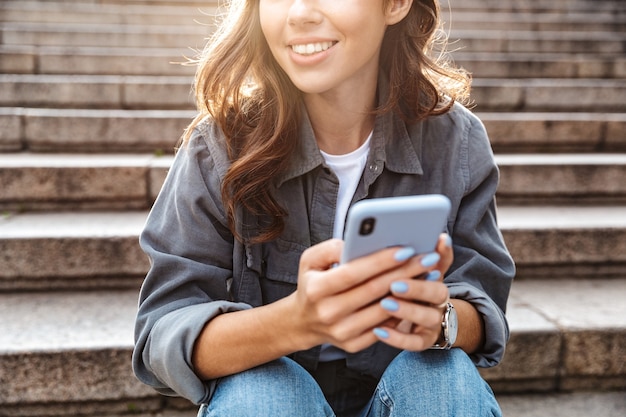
(452, 367)
(278, 388)
(445, 380)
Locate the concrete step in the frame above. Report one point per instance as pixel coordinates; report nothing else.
(72, 249)
(70, 351)
(95, 60)
(539, 6)
(509, 41)
(44, 182)
(174, 92)
(158, 61)
(541, 65)
(549, 95)
(555, 132)
(97, 91)
(549, 242)
(112, 35)
(562, 338)
(80, 181)
(578, 404)
(590, 21)
(568, 179)
(177, 3)
(120, 13)
(81, 364)
(92, 131)
(95, 130)
(158, 3)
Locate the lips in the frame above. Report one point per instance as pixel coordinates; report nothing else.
(311, 48)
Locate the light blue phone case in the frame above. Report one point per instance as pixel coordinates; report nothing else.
(415, 221)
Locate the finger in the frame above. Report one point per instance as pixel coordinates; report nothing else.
(359, 343)
(358, 323)
(444, 248)
(426, 292)
(426, 317)
(425, 330)
(423, 265)
(406, 341)
(358, 271)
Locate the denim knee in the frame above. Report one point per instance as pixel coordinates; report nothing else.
(434, 382)
(278, 388)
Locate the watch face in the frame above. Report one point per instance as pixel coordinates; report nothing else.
(453, 326)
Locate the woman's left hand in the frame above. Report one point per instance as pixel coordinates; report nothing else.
(417, 305)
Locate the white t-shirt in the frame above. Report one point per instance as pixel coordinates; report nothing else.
(348, 168)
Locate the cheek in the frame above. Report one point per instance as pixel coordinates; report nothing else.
(269, 19)
(264, 27)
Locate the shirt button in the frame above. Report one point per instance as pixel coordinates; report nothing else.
(373, 168)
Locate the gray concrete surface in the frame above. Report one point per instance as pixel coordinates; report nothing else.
(582, 404)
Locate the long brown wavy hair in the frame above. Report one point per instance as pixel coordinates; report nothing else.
(241, 87)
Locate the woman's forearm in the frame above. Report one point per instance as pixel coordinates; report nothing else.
(237, 341)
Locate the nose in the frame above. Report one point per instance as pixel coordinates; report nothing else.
(302, 12)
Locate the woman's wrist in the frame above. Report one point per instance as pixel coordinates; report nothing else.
(471, 328)
(297, 333)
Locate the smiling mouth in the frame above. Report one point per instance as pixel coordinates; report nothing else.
(311, 48)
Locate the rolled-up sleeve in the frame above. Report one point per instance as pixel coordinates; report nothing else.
(191, 255)
(483, 269)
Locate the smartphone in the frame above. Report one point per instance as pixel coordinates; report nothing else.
(378, 223)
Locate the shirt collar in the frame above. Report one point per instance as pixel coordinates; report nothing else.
(391, 146)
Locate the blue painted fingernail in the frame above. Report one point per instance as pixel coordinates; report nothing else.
(381, 333)
(399, 287)
(430, 260)
(404, 254)
(433, 275)
(389, 305)
(448, 241)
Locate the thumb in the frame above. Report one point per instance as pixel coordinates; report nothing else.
(322, 256)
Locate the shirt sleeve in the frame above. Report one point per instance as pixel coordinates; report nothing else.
(483, 270)
(191, 254)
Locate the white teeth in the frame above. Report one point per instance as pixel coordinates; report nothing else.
(311, 48)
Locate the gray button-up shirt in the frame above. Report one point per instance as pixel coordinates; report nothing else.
(199, 271)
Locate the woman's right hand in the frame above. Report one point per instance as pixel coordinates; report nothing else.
(340, 304)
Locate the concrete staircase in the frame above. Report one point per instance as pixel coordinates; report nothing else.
(92, 107)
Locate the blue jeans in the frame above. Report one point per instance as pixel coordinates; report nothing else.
(430, 383)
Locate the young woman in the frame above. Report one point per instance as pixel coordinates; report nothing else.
(305, 107)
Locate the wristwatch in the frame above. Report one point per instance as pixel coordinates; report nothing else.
(449, 329)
